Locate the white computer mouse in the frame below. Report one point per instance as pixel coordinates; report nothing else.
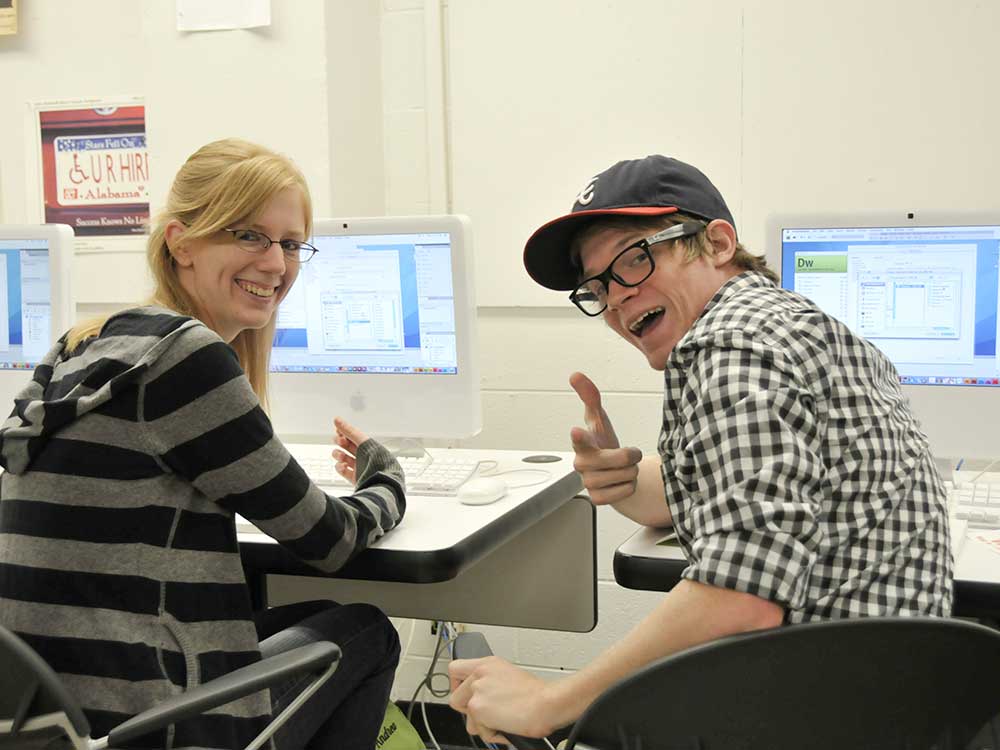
(482, 491)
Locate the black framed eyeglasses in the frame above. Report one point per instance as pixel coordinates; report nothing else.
(630, 267)
(253, 241)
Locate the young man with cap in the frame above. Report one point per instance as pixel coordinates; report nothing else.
(798, 482)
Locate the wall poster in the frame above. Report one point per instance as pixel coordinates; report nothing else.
(94, 166)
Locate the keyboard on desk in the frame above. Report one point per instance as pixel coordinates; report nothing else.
(425, 475)
(977, 503)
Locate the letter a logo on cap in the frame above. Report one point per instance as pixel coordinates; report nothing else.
(586, 195)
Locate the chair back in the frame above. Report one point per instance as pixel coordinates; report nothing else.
(902, 682)
(35, 707)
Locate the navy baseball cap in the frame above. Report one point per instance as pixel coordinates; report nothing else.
(653, 186)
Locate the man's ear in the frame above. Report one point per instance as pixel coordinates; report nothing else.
(722, 235)
(174, 237)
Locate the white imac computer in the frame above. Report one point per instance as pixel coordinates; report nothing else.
(380, 329)
(924, 289)
(35, 265)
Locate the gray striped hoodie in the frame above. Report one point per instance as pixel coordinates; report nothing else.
(126, 461)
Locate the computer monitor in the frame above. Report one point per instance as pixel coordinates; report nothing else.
(924, 289)
(380, 328)
(36, 300)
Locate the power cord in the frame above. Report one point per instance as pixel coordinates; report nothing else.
(444, 640)
(427, 725)
(425, 682)
(544, 474)
(989, 466)
(409, 448)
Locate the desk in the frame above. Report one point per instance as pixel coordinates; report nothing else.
(527, 560)
(640, 563)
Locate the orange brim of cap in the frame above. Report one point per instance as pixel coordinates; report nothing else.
(547, 252)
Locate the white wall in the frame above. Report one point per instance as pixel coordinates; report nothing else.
(353, 44)
(786, 104)
(543, 100)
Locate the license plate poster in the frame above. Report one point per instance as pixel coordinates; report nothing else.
(95, 169)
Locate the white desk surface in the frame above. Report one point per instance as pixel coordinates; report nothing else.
(436, 523)
(463, 558)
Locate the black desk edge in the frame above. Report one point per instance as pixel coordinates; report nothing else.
(971, 598)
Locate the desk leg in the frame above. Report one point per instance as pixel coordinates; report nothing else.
(257, 583)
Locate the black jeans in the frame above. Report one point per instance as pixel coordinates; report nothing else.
(345, 713)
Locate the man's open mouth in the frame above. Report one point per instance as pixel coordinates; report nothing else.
(644, 322)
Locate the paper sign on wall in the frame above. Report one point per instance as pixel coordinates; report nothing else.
(218, 15)
(8, 17)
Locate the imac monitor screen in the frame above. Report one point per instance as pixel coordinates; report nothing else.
(379, 328)
(34, 286)
(922, 289)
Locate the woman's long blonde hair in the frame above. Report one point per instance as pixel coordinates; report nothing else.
(221, 183)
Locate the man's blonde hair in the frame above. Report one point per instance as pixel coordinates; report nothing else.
(220, 184)
(694, 246)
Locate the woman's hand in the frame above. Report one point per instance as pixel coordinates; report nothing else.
(348, 438)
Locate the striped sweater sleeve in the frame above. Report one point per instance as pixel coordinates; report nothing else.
(205, 424)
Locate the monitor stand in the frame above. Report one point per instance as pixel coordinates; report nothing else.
(404, 447)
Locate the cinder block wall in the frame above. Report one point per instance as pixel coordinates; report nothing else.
(527, 355)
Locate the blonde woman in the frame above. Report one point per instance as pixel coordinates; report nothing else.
(142, 435)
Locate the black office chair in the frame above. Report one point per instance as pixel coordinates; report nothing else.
(36, 710)
(897, 683)
(879, 683)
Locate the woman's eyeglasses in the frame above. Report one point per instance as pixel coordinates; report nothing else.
(253, 241)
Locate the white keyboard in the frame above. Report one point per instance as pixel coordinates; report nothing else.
(977, 503)
(425, 475)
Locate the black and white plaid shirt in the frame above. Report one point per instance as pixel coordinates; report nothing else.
(794, 469)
